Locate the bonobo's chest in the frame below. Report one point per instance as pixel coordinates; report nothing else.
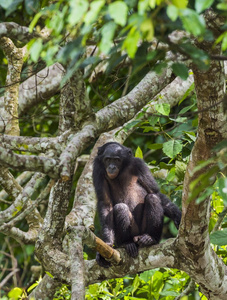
(126, 189)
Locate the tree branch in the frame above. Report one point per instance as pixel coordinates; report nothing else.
(35, 144)
(16, 32)
(19, 162)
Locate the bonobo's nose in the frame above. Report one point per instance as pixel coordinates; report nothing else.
(112, 168)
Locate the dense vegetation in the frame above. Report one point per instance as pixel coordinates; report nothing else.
(76, 74)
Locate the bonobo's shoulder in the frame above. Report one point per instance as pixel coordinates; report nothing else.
(139, 163)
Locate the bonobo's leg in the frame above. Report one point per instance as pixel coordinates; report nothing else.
(152, 223)
(125, 228)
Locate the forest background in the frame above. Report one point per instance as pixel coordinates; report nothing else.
(76, 74)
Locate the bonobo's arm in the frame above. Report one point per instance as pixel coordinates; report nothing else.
(146, 180)
(105, 208)
(170, 209)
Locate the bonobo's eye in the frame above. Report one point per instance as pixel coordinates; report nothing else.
(118, 160)
(106, 160)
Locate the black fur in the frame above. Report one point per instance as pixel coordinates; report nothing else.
(130, 206)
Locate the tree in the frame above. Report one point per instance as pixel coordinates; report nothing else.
(102, 71)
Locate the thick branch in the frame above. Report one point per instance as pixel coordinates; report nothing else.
(47, 287)
(162, 255)
(39, 88)
(212, 128)
(15, 63)
(29, 163)
(22, 199)
(17, 32)
(34, 144)
(125, 108)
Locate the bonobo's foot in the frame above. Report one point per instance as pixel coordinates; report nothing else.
(132, 249)
(101, 261)
(144, 240)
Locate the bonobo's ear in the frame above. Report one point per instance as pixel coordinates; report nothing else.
(129, 152)
(100, 150)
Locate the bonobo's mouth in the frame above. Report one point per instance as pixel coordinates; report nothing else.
(112, 175)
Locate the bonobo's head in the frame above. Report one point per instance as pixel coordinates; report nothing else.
(114, 157)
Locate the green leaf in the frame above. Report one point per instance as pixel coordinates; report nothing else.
(34, 21)
(78, 9)
(171, 175)
(180, 70)
(224, 42)
(190, 136)
(201, 5)
(155, 146)
(189, 91)
(15, 293)
(204, 195)
(6, 4)
(36, 49)
(95, 7)
(147, 28)
(170, 293)
(131, 125)
(201, 182)
(108, 31)
(219, 238)
(31, 6)
(10, 6)
(139, 153)
(221, 6)
(153, 120)
(50, 275)
(222, 187)
(32, 287)
(118, 10)
(146, 276)
(135, 284)
(185, 109)
(180, 3)
(172, 12)
(131, 42)
(193, 22)
(199, 56)
(180, 169)
(172, 148)
(163, 108)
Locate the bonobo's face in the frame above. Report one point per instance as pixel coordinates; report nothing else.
(112, 159)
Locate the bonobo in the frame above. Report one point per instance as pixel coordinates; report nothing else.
(130, 206)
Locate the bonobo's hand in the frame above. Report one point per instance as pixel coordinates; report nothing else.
(101, 261)
(144, 240)
(132, 249)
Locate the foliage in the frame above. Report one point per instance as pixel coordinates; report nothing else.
(115, 28)
(155, 284)
(125, 31)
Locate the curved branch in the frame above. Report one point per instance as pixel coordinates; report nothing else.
(161, 255)
(39, 87)
(125, 108)
(19, 162)
(17, 32)
(34, 144)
